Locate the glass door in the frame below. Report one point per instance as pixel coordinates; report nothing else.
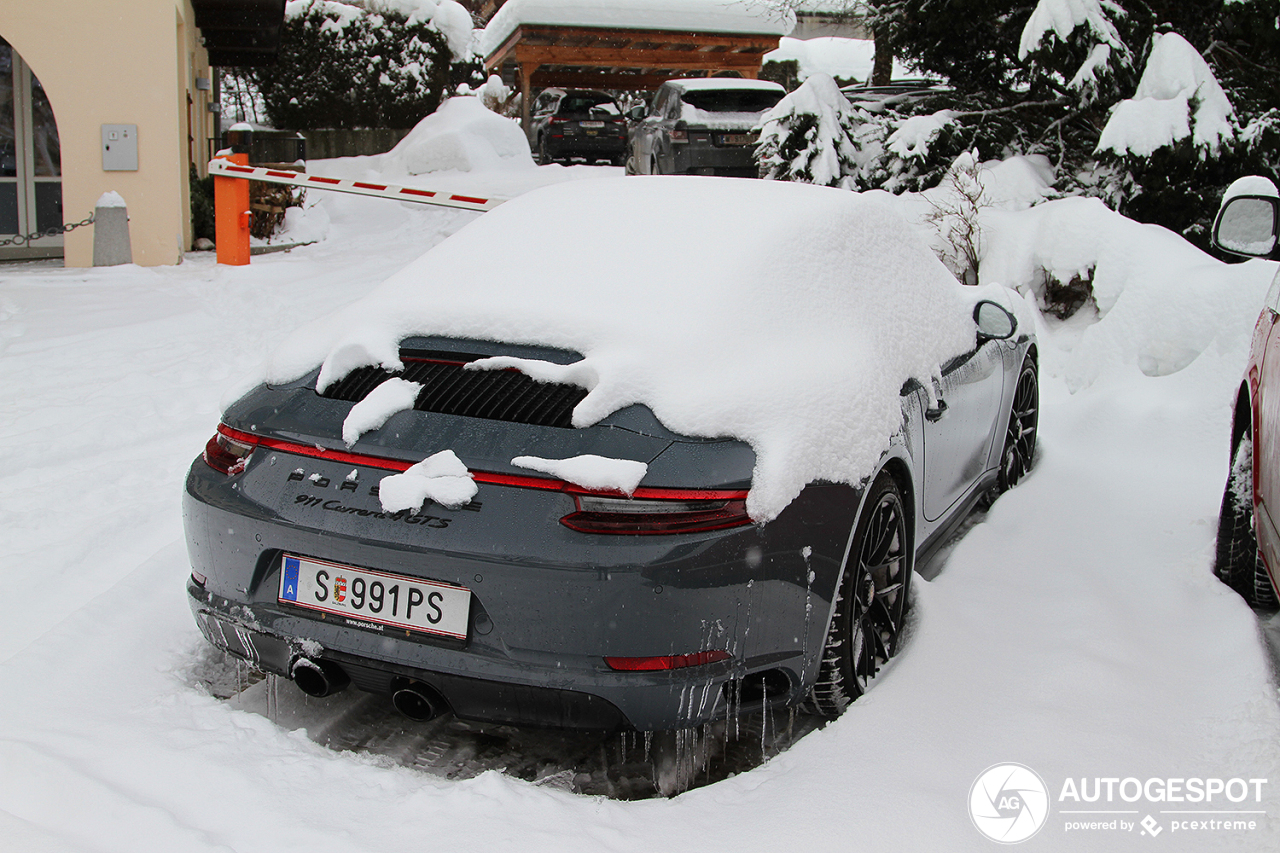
(30, 161)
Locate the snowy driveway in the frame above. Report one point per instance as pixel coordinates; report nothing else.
(1076, 630)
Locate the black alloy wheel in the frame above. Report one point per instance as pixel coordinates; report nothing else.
(871, 603)
(1020, 436)
(1237, 562)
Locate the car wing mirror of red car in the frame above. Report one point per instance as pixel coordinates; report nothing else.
(1246, 225)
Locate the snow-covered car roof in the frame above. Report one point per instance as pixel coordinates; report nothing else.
(785, 315)
(698, 84)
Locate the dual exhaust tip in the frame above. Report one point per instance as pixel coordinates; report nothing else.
(417, 701)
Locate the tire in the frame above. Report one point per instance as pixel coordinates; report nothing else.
(871, 602)
(1020, 435)
(1237, 562)
(543, 158)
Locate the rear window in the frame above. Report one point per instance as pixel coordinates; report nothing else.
(732, 100)
(581, 105)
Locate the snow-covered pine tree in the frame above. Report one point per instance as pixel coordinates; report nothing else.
(807, 137)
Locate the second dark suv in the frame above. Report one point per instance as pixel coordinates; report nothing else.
(701, 127)
(578, 123)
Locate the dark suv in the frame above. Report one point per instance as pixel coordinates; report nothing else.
(701, 127)
(578, 123)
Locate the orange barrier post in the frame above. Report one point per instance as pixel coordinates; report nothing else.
(231, 216)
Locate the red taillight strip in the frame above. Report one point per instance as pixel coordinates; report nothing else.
(422, 360)
(518, 481)
(664, 662)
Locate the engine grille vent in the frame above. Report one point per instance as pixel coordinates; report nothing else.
(496, 395)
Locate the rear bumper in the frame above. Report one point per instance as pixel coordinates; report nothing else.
(548, 604)
(586, 146)
(706, 158)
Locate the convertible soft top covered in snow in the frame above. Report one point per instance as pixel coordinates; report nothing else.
(703, 278)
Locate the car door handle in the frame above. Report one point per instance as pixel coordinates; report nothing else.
(935, 414)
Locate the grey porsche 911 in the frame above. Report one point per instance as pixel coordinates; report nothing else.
(628, 453)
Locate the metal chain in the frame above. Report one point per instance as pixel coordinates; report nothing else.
(23, 239)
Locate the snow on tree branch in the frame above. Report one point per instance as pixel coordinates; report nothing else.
(1178, 97)
(1062, 17)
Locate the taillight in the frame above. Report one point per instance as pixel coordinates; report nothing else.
(679, 136)
(227, 455)
(653, 664)
(626, 516)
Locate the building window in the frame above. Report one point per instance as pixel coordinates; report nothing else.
(30, 159)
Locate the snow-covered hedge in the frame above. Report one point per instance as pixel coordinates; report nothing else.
(1153, 108)
(387, 63)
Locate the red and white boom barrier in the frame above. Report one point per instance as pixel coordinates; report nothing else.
(232, 215)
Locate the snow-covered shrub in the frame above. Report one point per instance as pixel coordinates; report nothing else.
(911, 147)
(955, 213)
(807, 136)
(387, 63)
(497, 96)
(460, 136)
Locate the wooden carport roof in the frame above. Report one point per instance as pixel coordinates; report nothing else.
(542, 55)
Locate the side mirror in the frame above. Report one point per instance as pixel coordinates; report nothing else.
(1246, 225)
(637, 112)
(994, 321)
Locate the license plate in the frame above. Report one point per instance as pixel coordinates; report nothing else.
(375, 598)
(734, 138)
(596, 124)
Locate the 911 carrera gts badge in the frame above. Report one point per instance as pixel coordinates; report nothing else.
(403, 515)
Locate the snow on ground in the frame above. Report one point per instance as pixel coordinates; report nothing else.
(1076, 628)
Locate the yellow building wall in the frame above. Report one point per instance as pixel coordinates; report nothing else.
(131, 62)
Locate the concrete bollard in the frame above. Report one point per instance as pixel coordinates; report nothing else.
(111, 232)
